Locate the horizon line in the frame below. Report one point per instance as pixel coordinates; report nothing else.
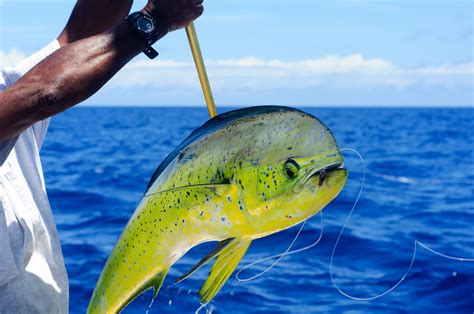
(328, 106)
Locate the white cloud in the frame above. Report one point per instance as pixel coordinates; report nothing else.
(11, 58)
(230, 19)
(332, 72)
(351, 73)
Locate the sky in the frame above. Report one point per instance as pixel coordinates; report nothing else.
(293, 52)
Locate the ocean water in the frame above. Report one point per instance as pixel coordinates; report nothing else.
(419, 186)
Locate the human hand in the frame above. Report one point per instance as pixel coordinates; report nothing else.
(92, 17)
(175, 14)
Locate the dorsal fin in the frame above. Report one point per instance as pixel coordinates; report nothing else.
(211, 126)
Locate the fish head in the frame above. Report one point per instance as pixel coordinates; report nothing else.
(299, 172)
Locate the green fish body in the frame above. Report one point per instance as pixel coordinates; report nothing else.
(241, 176)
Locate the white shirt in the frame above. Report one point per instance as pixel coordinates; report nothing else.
(33, 277)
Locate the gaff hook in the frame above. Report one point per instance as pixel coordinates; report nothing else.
(201, 69)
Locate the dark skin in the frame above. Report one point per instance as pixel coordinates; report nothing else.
(92, 17)
(88, 58)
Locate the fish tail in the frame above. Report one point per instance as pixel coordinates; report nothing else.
(157, 281)
(103, 302)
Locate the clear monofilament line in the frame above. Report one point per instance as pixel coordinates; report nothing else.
(410, 266)
(460, 259)
(280, 256)
(288, 251)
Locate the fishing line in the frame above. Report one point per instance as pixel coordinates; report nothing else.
(278, 256)
(288, 251)
(281, 255)
(414, 250)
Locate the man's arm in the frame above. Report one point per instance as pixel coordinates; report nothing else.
(67, 77)
(76, 71)
(92, 17)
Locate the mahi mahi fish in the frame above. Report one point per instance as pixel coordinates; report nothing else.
(241, 176)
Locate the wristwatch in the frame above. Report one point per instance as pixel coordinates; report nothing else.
(148, 29)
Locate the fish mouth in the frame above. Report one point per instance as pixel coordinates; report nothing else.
(327, 169)
(318, 171)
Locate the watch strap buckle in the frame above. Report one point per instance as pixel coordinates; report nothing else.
(150, 52)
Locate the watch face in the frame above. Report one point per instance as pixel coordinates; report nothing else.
(145, 25)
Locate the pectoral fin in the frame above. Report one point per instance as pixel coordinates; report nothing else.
(217, 188)
(206, 259)
(227, 260)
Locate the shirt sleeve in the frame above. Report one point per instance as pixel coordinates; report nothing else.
(10, 75)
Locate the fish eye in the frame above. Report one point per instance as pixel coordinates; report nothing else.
(291, 168)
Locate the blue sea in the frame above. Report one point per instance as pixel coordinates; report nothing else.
(419, 186)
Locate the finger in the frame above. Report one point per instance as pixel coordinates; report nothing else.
(199, 10)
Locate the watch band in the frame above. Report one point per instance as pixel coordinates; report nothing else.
(148, 29)
(151, 52)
